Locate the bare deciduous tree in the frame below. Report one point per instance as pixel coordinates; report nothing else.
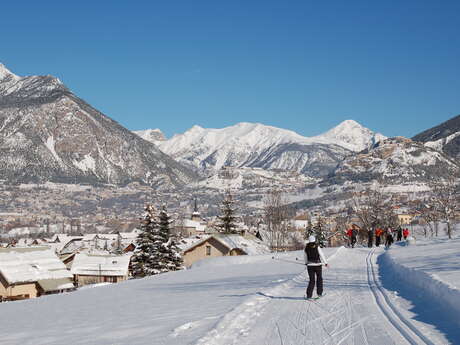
(445, 200)
(374, 208)
(277, 219)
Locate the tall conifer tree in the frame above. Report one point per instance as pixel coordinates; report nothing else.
(171, 253)
(227, 217)
(142, 261)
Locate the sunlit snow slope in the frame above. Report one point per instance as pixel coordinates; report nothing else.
(247, 300)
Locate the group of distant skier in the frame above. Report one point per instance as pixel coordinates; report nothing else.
(386, 236)
(315, 259)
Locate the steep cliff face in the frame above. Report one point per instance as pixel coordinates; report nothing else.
(49, 134)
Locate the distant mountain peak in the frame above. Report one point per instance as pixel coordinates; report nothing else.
(5, 72)
(352, 135)
(152, 135)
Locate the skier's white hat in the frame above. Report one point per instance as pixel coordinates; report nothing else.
(312, 238)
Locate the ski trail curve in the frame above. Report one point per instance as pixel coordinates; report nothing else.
(401, 323)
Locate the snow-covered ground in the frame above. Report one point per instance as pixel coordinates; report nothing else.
(258, 300)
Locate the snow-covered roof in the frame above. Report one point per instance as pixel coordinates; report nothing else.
(250, 247)
(231, 241)
(188, 223)
(32, 264)
(106, 265)
(130, 235)
(186, 243)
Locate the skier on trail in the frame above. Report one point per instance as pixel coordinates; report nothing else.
(406, 233)
(399, 234)
(314, 259)
(378, 234)
(389, 240)
(370, 237)
(352, 233)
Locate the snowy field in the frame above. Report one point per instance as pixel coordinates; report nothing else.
(370, 299)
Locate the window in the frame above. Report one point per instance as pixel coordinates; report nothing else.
(208, 250)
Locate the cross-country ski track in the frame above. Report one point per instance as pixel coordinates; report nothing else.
(355, 310)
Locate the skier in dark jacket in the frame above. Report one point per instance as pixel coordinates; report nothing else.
(399, 234)
(314, 259)
(370, 237)
(389, 240)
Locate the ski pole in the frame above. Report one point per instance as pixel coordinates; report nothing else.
(290, 261)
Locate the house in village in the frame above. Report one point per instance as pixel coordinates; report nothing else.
(221, 245)
(31, 272)
(92, 269)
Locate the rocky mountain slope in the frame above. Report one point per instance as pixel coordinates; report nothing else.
(393, 161)
(444, 137)
(258, 146)
(49, 134)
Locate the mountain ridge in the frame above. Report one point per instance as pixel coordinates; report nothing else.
(444, 137)
(49, 134)
(248, 144)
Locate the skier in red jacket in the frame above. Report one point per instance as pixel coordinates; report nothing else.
(406, 233)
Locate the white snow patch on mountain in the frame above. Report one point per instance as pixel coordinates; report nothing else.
(87, 163)
(50, 144)
(439, 144)
(152, 135)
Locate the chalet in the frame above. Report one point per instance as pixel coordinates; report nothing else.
(221, 245)
(31, 272)
(92, 269)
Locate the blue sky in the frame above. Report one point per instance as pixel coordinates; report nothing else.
(393, 66)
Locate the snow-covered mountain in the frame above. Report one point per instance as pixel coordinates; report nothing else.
(444, 137)
(153, 135)
(395, 160)
(258, 145)
(49, 134)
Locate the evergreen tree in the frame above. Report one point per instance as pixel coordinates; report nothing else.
(142, 261)
(319, 231)
(227, 218)
(155, 252)
(171, 253)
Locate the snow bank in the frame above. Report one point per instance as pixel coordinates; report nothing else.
(442, 287)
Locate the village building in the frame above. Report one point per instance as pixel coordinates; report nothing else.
(221, 245)
(405, 218)
(194, 226)
(300, 222)
(31, 272)
(93, 269)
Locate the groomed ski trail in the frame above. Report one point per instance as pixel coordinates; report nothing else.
(349, 313)
(394, 316)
